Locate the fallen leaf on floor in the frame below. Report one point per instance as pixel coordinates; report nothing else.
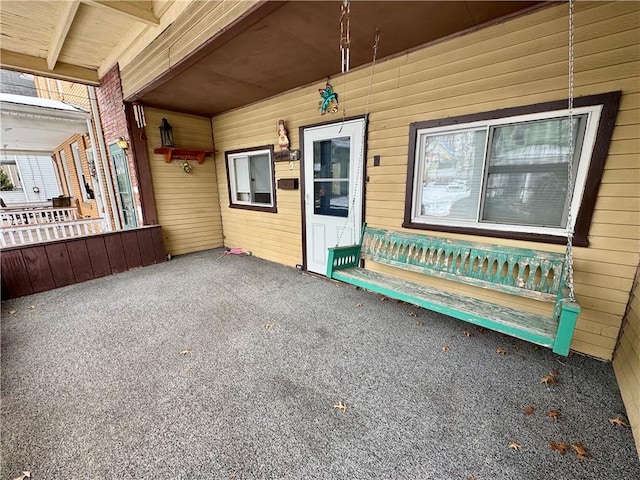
(358, 304)
(528, 410)
(555, 372)
(32, 307)
(340, 406)
(269, 325)
(501, 351)
(513, 445)
(581, 451)
(446, 348)
(536, 347)
(186, 351)
(480, 329)
(618, 422)
(467, 333)
(553, 414)
(420, 323)
(11, 312)
(549, 380)
(384, 299)
(561, 447)
(413, 314)
(23, 476)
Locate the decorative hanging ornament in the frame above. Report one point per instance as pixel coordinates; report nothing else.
(138, 113)
(328, 100)
(345, 35)
(186, 167)
(283, 138)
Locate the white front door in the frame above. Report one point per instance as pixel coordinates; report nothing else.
(333, 171)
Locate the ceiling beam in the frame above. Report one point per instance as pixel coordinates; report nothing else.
(132, 10)
(38, 66)
(65, 19)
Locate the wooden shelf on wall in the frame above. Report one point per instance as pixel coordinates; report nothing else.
(175, 153)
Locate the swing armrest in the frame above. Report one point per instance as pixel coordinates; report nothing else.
(565, 303)
(567, 314)
(342, 257)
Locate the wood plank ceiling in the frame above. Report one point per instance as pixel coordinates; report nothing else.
(70, 39)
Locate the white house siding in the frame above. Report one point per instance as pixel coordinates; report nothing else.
(36, 170)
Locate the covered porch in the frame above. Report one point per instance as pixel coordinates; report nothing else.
(225, 366)
(224, 74)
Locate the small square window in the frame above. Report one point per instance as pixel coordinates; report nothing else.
(250, 178)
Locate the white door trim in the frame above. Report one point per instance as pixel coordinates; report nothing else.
(320, 230)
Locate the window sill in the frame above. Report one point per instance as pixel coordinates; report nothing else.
(255, 208)
(578, 241)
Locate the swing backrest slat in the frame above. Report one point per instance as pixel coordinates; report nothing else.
(517, 271)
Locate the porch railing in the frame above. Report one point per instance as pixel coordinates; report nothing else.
(42, 232)
(15, 217)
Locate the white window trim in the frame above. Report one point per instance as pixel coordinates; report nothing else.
(12, 173)
(590, 135)
(63, 160)
(75, 152)
(232, 177)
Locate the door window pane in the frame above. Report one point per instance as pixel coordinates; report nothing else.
(124, 185)
(331, 198)
(331, 163)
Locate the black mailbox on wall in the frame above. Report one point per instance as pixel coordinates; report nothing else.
(288, 184)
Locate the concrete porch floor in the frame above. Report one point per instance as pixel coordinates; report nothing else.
(94, 385)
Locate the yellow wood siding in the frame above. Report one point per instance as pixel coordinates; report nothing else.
(194, 26)
(626, 361)
(187, 205)
(85, 209)
(519, 62)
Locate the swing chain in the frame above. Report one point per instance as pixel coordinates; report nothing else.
(569, 254)
(356, 182)
(345, 35)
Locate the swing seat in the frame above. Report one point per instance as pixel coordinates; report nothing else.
(532, 274)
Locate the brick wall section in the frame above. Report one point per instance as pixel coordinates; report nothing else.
(114, 125)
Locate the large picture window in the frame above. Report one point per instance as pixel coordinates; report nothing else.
(250, 177)
(507, 173)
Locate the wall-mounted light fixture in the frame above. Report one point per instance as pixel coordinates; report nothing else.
(122, 143)
(166, 134)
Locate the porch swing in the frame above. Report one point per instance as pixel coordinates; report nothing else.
(534, 274)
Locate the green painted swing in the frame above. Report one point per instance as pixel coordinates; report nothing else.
(539, 275)
(527, 273)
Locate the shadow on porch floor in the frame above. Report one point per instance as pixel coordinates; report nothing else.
(171, 371)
